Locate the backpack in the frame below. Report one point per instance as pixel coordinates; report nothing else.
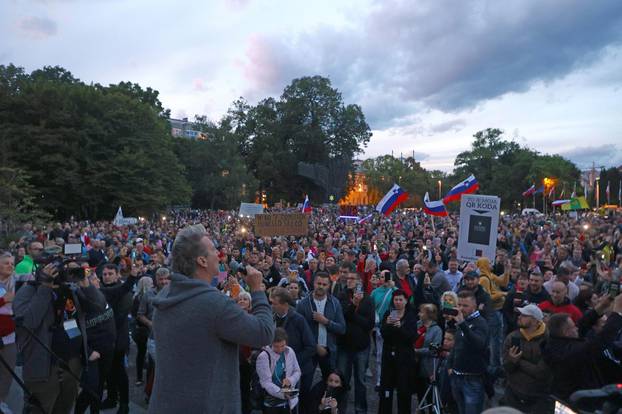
(258, 394)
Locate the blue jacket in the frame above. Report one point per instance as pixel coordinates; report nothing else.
(332, 311)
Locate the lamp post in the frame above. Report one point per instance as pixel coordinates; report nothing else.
(597, 192)
(440, 186)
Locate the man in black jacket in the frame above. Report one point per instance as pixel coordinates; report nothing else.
(469, 359)
(119, 296)
(299, 338)
(470, 283)
(358, 312)
(578, 362)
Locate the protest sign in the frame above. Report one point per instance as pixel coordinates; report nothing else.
(479, 219)
(296, 224)
(250, 209)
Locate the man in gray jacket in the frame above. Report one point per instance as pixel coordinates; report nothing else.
(47, 309)
(197, 330)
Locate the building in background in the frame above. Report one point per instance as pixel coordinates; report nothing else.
(184, 128)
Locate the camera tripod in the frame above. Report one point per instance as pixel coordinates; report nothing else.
(432, 392)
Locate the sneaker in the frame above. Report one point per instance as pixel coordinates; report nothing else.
(108, 404)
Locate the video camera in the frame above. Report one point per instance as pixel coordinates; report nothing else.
(66, 274)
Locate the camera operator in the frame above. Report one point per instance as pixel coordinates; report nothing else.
(119, 296)
(52, 309)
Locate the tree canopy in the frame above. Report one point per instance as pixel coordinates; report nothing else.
(86, 149)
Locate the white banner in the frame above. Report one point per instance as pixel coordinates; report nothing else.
(479, 221)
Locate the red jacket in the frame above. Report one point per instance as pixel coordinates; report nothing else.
(7, 326)
(566, 307)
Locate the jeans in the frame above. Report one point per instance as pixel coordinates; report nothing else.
(327, 364)
(468, 392)
(346, 361)
(495, 331)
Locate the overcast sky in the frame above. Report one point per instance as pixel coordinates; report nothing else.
(428, 74)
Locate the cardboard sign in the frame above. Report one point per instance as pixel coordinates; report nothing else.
(296, 224)
(479, 220)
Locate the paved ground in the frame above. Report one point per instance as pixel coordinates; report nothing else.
(138, 405)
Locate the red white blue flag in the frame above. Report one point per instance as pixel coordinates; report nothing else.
(529, 191)
(468, 186)
(306, 206)
(434, 208)
(391, 199)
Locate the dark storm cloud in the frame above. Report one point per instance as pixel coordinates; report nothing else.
(446, 54)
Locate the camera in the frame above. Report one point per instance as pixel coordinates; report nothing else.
(449, 311)
(66, 274)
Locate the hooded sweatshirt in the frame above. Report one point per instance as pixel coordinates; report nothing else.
(197, 330)
(492, 283)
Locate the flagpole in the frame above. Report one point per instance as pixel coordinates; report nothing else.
(433, 228)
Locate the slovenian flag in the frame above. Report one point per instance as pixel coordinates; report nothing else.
(468, 186)
(557, 203)
(529, 191)
(391, 199)
(306, 206)
(434, 208)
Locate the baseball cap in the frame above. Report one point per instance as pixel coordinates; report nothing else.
(531, 310)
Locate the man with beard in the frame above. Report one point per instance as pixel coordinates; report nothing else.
(324, 316)
(528, 376)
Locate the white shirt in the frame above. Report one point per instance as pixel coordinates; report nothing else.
(322, 333)
(453, 278)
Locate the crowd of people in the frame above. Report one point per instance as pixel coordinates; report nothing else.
(384, 304)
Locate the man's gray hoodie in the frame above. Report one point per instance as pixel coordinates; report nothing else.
(197, 330)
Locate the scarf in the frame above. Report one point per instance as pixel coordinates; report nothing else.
(538, 332)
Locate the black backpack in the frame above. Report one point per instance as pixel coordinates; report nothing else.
(258, 394)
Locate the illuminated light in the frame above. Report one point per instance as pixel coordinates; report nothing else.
(586, 226)
(163, 218)
(243, 230)
(503, 213)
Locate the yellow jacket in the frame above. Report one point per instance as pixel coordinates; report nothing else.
(492, 283)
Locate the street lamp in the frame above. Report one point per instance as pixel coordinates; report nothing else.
(598, 191)
(440, 186)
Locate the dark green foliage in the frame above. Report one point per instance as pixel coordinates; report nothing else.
(86, 149)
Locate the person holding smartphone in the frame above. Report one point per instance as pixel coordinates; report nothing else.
(527, 374)
(381, 296)
(399, 331)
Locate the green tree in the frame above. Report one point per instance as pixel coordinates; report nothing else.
(86, 149)
(214, 167)
(17, 201)
(309, 123)
(506, 169)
